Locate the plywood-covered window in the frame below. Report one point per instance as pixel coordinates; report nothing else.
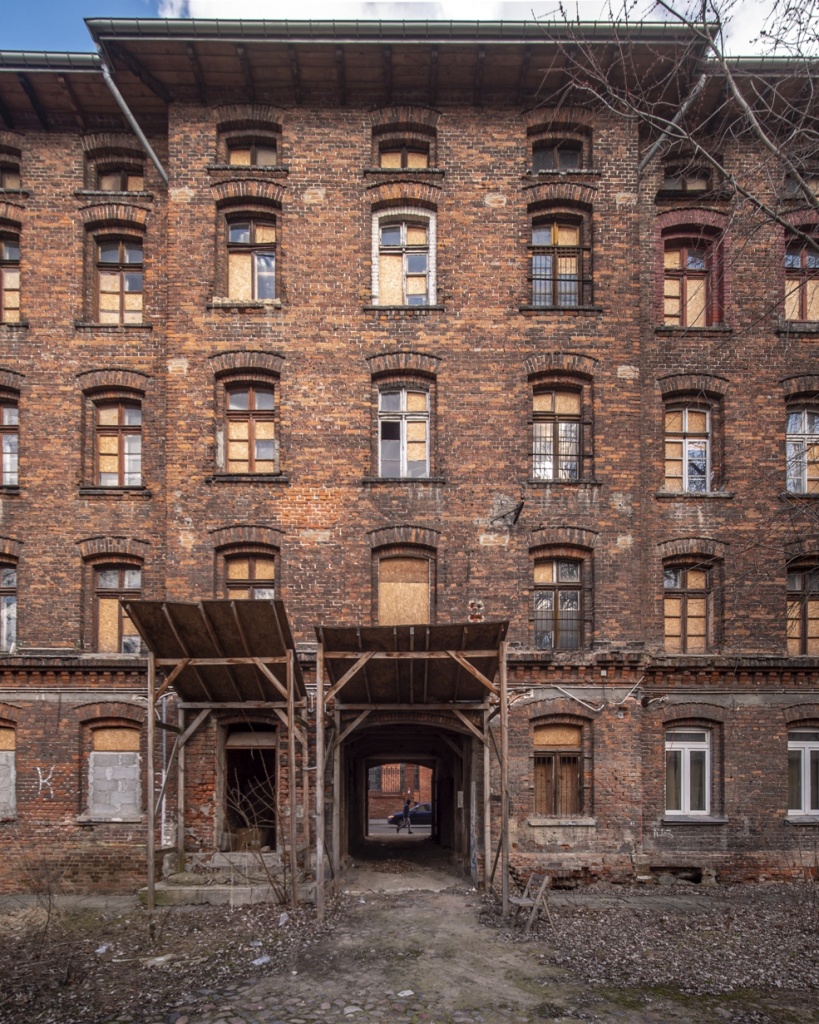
(250, 411)
(251, 245)
(687, 603)
(250, 576)
(403, 432)
(9, 279)
(802, 451)
(403, 155)
(8, 606)
(558, 769)
(118, 430)
(802, 280)
(687, 179)
(252, 152)
(404, 590)
(556, 434)
(119, 281)
(9, 441)
(10, 176)
(403, 263)
(557, 155)
(803, 611)
(691, 276)
(558, 601)
(559, 263)
(114, 791)
(8, 773)
(115, 632)
(688, 449)
(120, 178)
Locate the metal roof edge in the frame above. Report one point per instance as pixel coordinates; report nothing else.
(43, 60)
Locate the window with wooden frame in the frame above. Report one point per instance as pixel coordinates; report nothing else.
(559, 263)
(118, 447)
(114, 773)
(252, 151)
(556, 433)
(8, 605)
(9, 175)
(558, 604)
(250, 575)
(557, 155)
(802, 450)
(688, 771)
(250, 419)
(803, 771)
(688, 608)
(802, 278)
(405, 587)
(687, 178)
(9, 279)
(403, 431)
(403, 264)
(688, 435)
(8, 772)
(9, 440)
(558, 752)
(114, 631)
(691, 282)
(251, 258)
(401, 154)
(120, 177)
(803, 610)
(119, 280)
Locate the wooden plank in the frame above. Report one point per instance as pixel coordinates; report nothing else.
(456, 656)
(352, 727)
(350, 673)
(475, 732)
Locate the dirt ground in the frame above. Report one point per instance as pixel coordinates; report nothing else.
(408, 942)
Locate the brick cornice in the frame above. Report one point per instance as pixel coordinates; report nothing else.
(246, 359)
(406, 362)
(404, 534)
(563, 536)
(229, 536)
(699, 547)
(111, 546)
(560, 362)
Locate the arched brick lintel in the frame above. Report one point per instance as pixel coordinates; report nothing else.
(560, 362)
(563, 536)
(118, 547)
(406, 534)
(403, 362)
(228, 536)
(698, 546)
(247, 360)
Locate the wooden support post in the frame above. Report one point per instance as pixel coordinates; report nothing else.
(180, 796)
(504, 782)
(150, 786)
(487, 805)
(320, 783)
(336, 802)
(291, 780)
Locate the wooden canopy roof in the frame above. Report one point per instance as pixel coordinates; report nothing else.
(227, 650)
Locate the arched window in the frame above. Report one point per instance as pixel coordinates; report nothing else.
(404, 258)
(9, 439)
(558, 773)
(8, 605)
(688, 771)
(558, 604)
(118, 431)
(251, 257)
(8, 772)
(403, 431)
(250, 574)
(692, 280)
(688, 608)
(688, 433)
(115, 633)
(802, 278)
(114, 773)
(803, 610)
(803, 771)
(559, 256)
(250, 411)
(556, 433)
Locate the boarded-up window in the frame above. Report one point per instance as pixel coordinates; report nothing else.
(252, 259)
(558, 789)
(403, 429)
(403, 591)
(9, 280)
(119, 282)
(403, 263)
(411, 157)
(802, 281)
(120, 179)
(688, 299)
(114, 774)
(116, 632)
(251, 429)
(119, 444)
(251, 577)
(802, 451)
(803, 612)
(10, 176)
(686, 609)
(8, 781)
(688, 450)
(556, 435)
(253, 154)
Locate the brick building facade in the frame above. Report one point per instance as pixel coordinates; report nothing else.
(398, 341)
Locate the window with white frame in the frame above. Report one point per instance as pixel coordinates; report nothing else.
(8, 606)
(687, 771)
(404, 258)
(403, 432)
(688, 449)
(8, 781)
(9, 440)
(803, 771)
(802, 451)
(114, 791)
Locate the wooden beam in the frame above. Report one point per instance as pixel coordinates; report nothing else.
(404, 655)
(244, 63)
(196, 662)
(524, 73)
(291, 782)
(475, 731)
(282, 715)
(168, 681)
(192, 728)
(269, 675)
(487, 806)
(504, 783)
(453, 746)
(387, 66)
(149, 786)
(295, 73)
(245, 704)
(348, 675)
(320, 783)
(196, 67)
(139, 71)
(473, 671)
(368, 706)
(180, 796)
(73, 102)
(433, 75)
(33, 99)
(341, 78)
(352, 727)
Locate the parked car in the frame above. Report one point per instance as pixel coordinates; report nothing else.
(420, 814)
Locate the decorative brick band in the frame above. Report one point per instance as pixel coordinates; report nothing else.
(245, 360)
(99, 380)
(404, 362)
(396, 118)
(101, 141)
(560, 362)
(800, 713)
(228, 536)
(10, 548)
(564, 536)
(121, 547)
(11, 380)
(108, 214)
(803, 384)
(700, 547)
(111, 709)
(12, 213)
(400, 193)
(804, 547)
(551, 193)
(695, 710)
(239, 190)
(568, 119)
(696, 383)
(417, 535)
(233, 116)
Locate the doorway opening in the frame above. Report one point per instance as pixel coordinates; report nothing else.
(251, 799)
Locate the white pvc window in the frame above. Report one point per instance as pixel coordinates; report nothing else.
(687, 771)
(803, 771)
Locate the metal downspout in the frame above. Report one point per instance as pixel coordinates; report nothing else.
(132, 121)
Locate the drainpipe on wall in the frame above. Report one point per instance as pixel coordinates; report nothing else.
(132, 121)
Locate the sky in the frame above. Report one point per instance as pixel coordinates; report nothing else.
(57, 25)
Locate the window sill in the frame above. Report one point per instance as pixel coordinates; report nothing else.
(247, 478)
(99, 193)
(798, 327)
(93, 325)
(7, 818)
(560, 310)
(717, 330)
(695, 495)
(559, 173)
(376, 481)
(244, 305)
(115, 492)
(799, 495)
(9, 325)
(240, 170)
(802, 819)
(541, 821)
(396, 173)
(87, 819)
(693, 196)
(404, 310)
(9, 489)
(539, 481)
(693, 819)
(22, 193)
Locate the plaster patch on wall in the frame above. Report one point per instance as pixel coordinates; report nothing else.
(178, 365)
(625, 542)
(494, 540)
(494, 199)
(314, 195)
(315, 536)
(627, 372)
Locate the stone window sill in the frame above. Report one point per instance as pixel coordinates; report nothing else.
(93, 325)
(695, 495)
(798, 327)
(800, 495)
(244, 305)
(23, 193)
(376, 481)
(560, 310)
(404, 310)
(99, 193)
(693, 819)
(567, 172)
(247, 478)
(19, 325)
(539, 821)
(396, 173)
(539, 481)
(802, 819)
(9, 489)
(242, 170)
(715, 330)
(115, 492)
(87, 819)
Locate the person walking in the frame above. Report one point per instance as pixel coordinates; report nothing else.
(407, 820)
